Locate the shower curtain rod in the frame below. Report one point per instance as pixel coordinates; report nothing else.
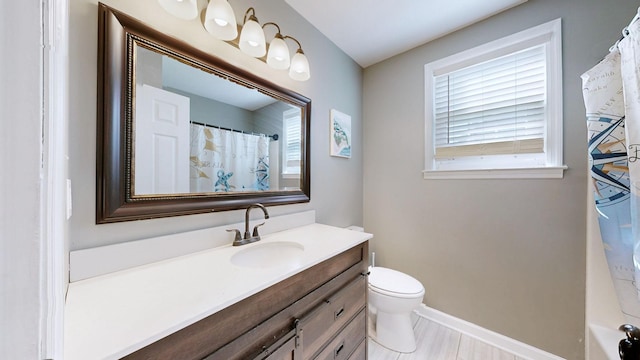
(625, 30)
(274, 136)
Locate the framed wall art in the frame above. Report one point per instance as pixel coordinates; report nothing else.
(340, 134)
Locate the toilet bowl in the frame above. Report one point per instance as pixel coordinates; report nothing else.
(393, 295)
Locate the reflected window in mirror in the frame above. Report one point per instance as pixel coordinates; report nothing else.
(291, 144)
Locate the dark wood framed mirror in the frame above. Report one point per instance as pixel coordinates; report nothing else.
(145, 171)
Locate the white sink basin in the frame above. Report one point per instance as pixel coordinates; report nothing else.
(278, 253)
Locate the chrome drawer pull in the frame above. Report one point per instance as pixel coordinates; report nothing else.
(337, 351)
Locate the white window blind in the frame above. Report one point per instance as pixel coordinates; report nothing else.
(494, 107)
(292, 141)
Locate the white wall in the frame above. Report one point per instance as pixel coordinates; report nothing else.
(508, 255)
(336, 192)
(602, 309)
(20, 184)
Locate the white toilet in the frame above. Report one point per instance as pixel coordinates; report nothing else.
(393, 295)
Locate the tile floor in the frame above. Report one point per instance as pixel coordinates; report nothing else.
(438, 342)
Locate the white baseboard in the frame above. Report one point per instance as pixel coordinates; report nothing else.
(492, 338)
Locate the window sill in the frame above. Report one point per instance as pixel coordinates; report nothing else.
(549, 172)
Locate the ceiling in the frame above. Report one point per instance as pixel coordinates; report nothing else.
(177, 75)
(372, 33)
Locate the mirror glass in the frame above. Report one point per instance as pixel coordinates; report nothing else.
(196, 132)
(180, 131)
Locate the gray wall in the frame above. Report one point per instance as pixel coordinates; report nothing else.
(508, 255)
(336, 82)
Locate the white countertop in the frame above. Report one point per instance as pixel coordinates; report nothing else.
(110, 316)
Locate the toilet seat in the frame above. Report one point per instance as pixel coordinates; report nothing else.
(394, 283)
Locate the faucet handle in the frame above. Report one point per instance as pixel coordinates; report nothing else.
(629, 347)
(237, 236)
(255, 230)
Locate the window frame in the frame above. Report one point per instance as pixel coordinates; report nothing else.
(512, 165)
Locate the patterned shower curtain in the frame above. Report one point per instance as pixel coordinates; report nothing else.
(228, 161)
(612, 100)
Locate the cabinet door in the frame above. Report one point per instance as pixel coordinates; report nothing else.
(285, 352)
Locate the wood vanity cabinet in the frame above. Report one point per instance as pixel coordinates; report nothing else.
(319, 313)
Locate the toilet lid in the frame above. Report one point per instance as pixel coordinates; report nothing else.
(388, 280)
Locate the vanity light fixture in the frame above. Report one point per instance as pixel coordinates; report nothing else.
(220, 20)
(183, 9)
(252, 40)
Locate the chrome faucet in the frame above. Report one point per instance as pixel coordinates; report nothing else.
(249, 237)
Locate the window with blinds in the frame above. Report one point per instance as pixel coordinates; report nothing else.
(497, 106)
(292, 151)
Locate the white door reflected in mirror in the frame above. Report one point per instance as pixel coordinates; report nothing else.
(161, 154)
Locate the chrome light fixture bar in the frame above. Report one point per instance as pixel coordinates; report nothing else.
(220, 21)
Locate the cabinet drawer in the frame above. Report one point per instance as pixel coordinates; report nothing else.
(322, 323)
(361, 351)
(347, 340)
